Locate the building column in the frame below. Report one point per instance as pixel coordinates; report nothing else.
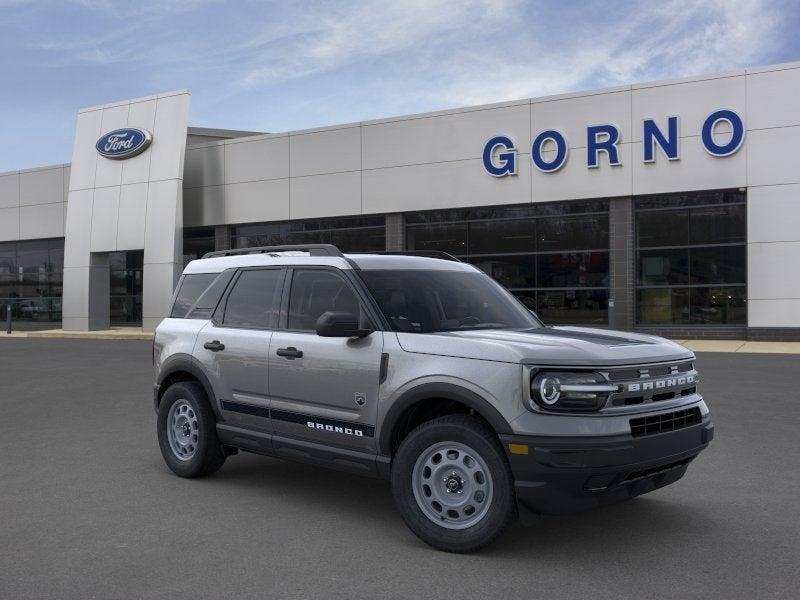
(395, 232)
(222, 237)
(621, 301)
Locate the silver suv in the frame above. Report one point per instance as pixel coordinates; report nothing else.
(425, 371)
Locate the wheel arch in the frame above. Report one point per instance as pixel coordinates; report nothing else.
(181, 367)
(415, 398)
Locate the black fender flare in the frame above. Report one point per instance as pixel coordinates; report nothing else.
(185, 363)
(447, 391)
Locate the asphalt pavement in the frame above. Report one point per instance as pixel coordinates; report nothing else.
(89, 510)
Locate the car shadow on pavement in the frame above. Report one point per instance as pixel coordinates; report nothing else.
(621, 529)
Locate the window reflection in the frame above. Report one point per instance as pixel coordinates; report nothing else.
(554, 257)
(31, 281)
(692, 258)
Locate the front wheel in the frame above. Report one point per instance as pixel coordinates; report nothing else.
(453, 485)
(187, 432)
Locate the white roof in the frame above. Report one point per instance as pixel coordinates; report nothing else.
(363, 261)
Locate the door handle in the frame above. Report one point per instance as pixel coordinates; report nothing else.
(290, 352)
(214, 346)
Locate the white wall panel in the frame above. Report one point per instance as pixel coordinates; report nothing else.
(42, 186)
(574, 180)
(772, 156)
(774, 270)
(169, 137)
(132, 216)
(773, 214)
(257, 201)
(9, 224)
(265, 158)
(84, 154)
(141, 115)
(105, 211)
(443, 138)
(773, 99)
(205, 165)
(78, 229)
(325, 195)
(41, 221)
(163, 203)
(328, 151)
(108, 171)
(203, 206)
(696, 170)
(9, 190)
(442, 185)
(773, 313)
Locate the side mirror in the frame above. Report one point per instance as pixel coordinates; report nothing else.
(340, 324)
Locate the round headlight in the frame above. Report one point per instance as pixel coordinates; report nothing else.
(570, 390)
(550, 390)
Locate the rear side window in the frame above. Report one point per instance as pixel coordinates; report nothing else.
(191, 288)
(252, 303)
(318, 291)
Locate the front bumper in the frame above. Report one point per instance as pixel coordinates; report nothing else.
(563, 475)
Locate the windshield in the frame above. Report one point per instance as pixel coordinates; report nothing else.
(433, 301)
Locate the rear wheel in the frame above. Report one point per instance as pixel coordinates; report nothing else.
(187, 433)
(453, 485)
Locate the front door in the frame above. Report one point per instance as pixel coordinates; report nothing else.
(233, 349)
(324, 389)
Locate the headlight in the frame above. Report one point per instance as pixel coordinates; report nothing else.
(571, 390)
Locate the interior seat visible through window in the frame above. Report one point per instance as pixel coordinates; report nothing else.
(317, 291)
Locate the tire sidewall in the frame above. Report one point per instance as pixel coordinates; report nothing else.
(207, 444)
(470, 432)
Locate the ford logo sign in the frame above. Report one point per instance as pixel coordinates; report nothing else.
(123, 143)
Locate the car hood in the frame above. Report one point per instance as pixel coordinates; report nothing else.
(547, 346)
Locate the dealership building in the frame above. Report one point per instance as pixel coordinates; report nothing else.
(670, 207)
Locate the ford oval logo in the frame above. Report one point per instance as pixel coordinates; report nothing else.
(124, 143)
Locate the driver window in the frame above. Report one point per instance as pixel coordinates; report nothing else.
(317, 291)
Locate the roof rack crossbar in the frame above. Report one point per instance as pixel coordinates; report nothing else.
(312, 249)
(424, 253)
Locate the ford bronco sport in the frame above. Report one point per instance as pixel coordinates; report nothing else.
(424, 371)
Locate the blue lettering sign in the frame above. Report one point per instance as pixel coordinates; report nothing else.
(652, 135)
(601, 138)
(507, 158)
(737, 137)
(561, 151)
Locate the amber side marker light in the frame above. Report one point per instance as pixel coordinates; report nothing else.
(518, 448)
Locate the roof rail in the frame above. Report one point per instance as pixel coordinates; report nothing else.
(425, 253)
(312, 249)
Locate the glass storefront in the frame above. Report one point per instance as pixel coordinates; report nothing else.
(197, 242)
(126, 287)
(349, 234)
(553, 256)
(31, 280)
(691, 258)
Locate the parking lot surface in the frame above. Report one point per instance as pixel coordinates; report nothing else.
(89, 510)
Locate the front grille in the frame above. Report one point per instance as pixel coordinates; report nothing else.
(633, 373)
(652, 383)
(654, 424)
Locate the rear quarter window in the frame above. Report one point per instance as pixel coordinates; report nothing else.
(191, 287)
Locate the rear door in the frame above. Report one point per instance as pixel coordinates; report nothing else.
(324, 389)
(233, 347)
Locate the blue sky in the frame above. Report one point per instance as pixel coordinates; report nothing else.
(276, 66)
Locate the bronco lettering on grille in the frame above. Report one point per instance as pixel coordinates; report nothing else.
(660, 384)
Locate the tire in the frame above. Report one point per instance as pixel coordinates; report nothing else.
(471, 478)
(194, 450)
